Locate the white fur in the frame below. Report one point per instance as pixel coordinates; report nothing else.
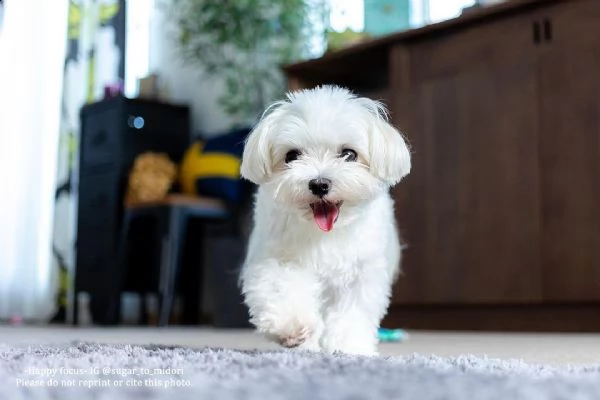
(323, 291)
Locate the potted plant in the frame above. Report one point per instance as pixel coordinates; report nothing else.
(244, 43)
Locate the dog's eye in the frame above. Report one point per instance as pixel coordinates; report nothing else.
(292, 155)
(348, 155)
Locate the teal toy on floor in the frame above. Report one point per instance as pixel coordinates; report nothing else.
(392, 335)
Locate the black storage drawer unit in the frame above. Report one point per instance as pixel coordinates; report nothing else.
(113, 133)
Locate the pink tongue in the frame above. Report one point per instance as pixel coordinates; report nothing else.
(325, 215)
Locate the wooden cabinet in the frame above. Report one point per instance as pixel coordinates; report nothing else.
(570, 182)
(472, 122)
(501, 212)
(476, 172)
(569, 78)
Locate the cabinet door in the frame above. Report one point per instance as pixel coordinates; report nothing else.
(570, 155)
(469, 213)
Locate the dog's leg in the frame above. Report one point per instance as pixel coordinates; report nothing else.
(350, 330)
(284, 303)
(355, 312)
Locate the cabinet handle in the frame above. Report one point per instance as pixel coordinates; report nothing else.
(536, 33)
(547, 30)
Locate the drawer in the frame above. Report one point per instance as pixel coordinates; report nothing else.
(157, 118)
(100, 141)
(100, 200)
(96, 258)
(156, 128)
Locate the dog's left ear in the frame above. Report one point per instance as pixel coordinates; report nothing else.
(389, 155)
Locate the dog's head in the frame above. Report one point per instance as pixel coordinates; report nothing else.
(323, 150)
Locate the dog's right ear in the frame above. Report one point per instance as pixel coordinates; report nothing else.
(389, 157)
(257, 160)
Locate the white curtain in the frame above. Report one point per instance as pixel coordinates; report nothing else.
(32, 51)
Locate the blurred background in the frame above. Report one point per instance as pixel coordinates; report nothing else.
(122, 125)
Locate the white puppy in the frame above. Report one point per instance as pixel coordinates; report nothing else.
(324, 251)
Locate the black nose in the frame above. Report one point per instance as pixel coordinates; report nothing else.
(320, 186)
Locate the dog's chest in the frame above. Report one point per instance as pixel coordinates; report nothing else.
(333, 256)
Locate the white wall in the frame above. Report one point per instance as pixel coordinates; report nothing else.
(184, 83)
(151, 48)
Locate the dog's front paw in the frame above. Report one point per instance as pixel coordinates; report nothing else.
(294, 336)
(292, 332)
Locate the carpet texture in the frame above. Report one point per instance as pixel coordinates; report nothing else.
(83, 370)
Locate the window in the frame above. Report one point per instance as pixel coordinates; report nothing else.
(350, 13)
(440, 10)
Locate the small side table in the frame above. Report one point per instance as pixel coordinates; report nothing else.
(173, 214)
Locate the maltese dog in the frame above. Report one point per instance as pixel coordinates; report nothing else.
(324, 250)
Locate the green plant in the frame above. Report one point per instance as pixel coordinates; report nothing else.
(244, 43)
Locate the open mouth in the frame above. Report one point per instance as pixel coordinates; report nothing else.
(326, 213)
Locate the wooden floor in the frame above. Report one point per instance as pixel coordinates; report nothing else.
(532, 348)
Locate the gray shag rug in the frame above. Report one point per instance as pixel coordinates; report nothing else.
(84, 370)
